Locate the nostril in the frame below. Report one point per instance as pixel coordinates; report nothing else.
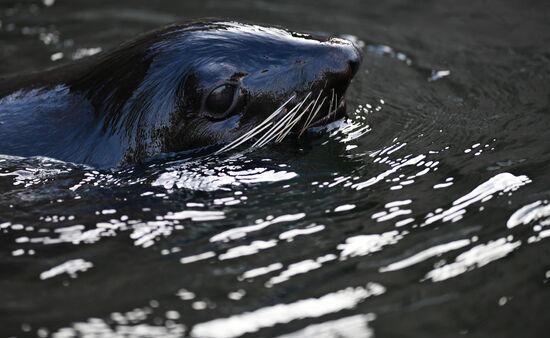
(350, 55)
(354, 65)
(356, 58)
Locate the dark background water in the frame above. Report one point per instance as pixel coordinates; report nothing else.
(425, 215)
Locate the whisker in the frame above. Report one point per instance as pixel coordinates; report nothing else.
(313, 111)
(268, 136)
(313, 108)
(293, 122)
(331, 101)
(288, 122)
(257, 131)
(312, 117)
(278, 130)
(248, 134)
(336, 105)
(273, 132)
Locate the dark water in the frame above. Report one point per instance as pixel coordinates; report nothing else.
(426, 214)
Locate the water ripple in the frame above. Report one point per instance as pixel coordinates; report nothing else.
(249, 322)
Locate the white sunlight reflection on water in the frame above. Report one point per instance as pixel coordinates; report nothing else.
(365, 244)
(229, 173)
(347, 327)
(249, 322)
(241, 232)
(500, 183)
(476, 257)
(70, 267)
(529, 213)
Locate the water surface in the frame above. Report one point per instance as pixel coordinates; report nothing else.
(425, 214)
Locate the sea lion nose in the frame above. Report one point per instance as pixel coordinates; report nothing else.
(344, 59)
(349, 53)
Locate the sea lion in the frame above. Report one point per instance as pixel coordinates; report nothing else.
(207, 83)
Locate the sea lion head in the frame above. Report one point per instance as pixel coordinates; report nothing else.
(226, 83)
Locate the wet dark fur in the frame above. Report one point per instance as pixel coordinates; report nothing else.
(148, 96)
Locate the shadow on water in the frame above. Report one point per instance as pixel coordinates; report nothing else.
(425, 214)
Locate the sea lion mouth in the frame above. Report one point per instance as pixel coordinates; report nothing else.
(294, 117)
(317, 111)
(337, 113)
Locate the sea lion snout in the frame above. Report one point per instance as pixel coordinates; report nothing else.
(351, 52)
(346, 54)
(355, 59)
(337, 63)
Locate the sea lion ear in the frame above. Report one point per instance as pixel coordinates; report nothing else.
(220, 101)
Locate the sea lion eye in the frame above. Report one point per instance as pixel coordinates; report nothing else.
(221, 101)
